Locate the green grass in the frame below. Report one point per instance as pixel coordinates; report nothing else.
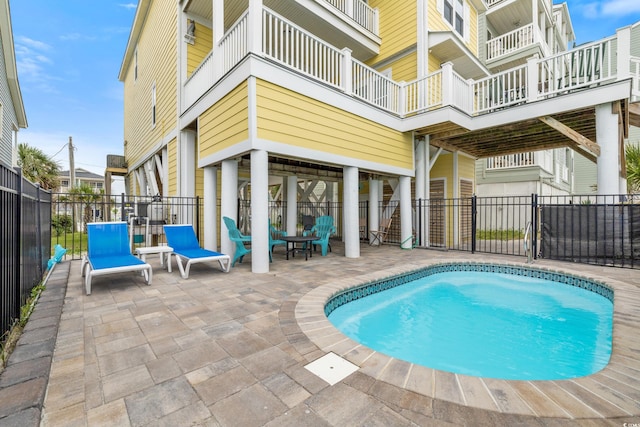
(72, 242)
(499, 234)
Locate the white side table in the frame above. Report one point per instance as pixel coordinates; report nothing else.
(142, 252)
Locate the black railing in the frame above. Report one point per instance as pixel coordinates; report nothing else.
(25, 229)
(72, 212)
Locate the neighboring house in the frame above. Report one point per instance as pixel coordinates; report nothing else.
(12, 114)
(388, 101)
(83, 177)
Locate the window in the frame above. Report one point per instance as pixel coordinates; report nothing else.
(456, 13)
(153, 105)
(64, 183)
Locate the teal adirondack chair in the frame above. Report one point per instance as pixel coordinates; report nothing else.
(231, 226)
(274, 233)
(238, 238)
(241, 250)
(323, 229)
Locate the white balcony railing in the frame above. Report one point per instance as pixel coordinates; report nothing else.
(510, 42)
(285, 42)
(375, 88)
(359, 11)
(512, 161)
(292, 47)
(635, 77)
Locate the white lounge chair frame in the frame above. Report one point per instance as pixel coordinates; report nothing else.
(89, 271)
(223, 260)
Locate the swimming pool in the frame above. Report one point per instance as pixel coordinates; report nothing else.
(483, 320)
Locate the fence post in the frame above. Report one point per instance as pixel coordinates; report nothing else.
(122, 212)
(18, 252)
(474, 206)
(534, 224)
(38, 232)
(198, 216)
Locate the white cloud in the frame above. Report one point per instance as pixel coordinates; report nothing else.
(620, 7)
(128, 5)
(32, 44)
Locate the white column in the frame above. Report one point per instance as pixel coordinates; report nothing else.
(374, 202)
(623, 37)
(259, 209)
(188, 164)
(608, 162)
(351, 230)
(254, 27)
(165, 172)
(210, 212)
(405, 211)
(229, 202)
(456, 194)
(292, 205)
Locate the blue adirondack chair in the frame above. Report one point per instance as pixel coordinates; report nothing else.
(238, 238)
(274, 240)
(241, 250)
(323, 230)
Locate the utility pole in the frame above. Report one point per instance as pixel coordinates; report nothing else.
(72, 167)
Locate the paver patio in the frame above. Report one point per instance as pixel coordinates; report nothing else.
(222, 349)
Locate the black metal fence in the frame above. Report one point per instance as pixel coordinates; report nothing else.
(72, 212)
(25, 229)
(601, 230)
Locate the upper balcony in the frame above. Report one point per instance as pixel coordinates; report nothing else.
(345, 23)
(263, 34)
(518, 29)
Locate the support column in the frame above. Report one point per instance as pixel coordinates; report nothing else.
(374, 205)
(210, 212)
(188, 164)
(229, 202)
(406, 224)
(259, 206)
(351, 231)
(422, 183)
(608, 162)
(292, 205)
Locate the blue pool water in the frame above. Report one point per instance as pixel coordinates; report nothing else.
(485, 324)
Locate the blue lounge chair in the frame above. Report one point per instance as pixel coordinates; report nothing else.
(323, 229)
(109, 252)
(182, 238)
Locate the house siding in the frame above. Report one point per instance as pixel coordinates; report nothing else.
(398, 28)
(172, 153)
(291, 118)
(8, 117)
(443, 169)
(226, 123)
(201, 47)
(156, 64)
(585, 175)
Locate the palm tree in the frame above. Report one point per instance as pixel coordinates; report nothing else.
(38, 167)
(632, 154)
(85, 195)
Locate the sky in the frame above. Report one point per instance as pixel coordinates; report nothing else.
(69, 53)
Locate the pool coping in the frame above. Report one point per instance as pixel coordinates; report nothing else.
(612, 392)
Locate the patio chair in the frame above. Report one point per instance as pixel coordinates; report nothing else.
(381, 233)
(241, 250)
(182, 238)
(274, 240)
(232, 227)
(323, 230)
(362, 227)
(109, 253)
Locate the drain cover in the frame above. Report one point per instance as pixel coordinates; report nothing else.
(332, 368)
